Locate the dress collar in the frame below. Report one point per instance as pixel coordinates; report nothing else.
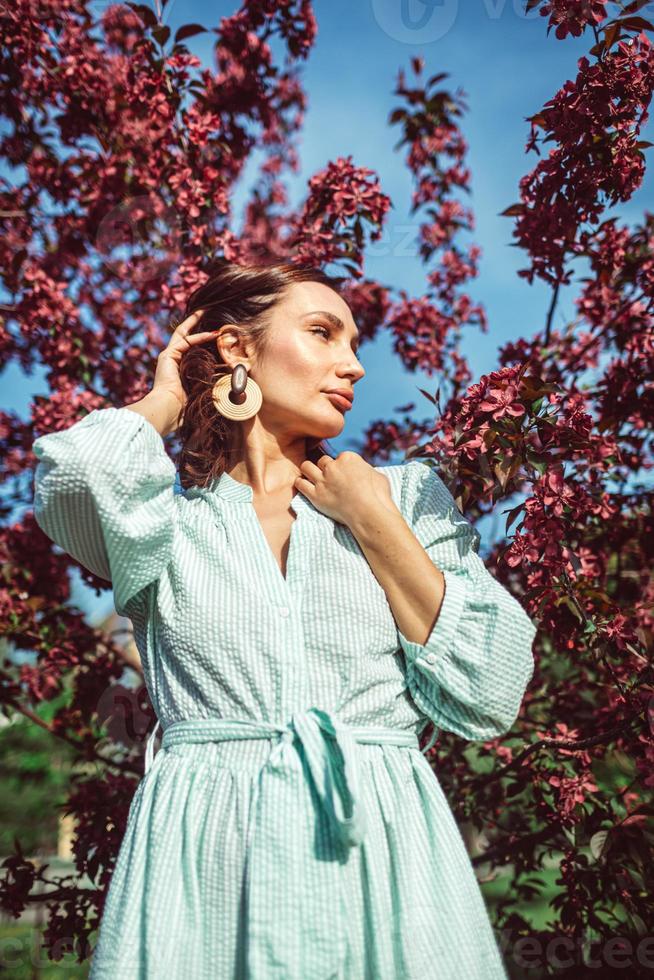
(227, 488)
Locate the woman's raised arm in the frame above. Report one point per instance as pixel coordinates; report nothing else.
(104, 487)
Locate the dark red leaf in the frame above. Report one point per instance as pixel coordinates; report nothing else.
(189, 30)
(146, 14)
(635, 6)
(512, 210)
(636, 24)
(161, 34)
(437, 78)
(611, 34)
(513, 513)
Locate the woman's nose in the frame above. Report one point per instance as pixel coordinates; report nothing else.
(355, 370)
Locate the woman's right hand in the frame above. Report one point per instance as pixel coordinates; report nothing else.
(166, 376)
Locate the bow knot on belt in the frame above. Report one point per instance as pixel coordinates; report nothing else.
(323, 739)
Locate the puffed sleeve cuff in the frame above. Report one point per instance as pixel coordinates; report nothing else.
(471, 673)
(473, 682)
(444, 629)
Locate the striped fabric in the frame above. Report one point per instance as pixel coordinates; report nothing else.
(288, 827)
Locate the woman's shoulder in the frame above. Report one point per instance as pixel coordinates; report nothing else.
(403, 478)
(420, 492)
(408, 476)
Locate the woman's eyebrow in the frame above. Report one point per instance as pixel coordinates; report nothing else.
(335, 322)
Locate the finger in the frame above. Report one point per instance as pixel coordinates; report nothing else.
(191, 338)
(305, 484)
(205, 334)
(310, 470)
(189, 322)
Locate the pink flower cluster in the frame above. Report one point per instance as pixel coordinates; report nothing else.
(573, 16)
(330, 226)
(593, 123)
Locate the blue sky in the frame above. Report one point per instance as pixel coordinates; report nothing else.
(508, 67)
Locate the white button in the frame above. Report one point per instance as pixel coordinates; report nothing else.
(431, 658)
(284, 611)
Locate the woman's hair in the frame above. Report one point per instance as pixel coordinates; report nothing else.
(243, 295)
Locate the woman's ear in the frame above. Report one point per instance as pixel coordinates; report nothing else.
(231, 345)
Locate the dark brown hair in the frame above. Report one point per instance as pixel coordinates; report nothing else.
(245, 295)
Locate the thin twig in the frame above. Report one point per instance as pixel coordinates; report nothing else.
(570, 745)
(550, 313)
(79, 746)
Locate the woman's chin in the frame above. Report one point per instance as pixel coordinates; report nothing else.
(333, 428)
(326, 432)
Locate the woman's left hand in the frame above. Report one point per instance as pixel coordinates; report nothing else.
(345, 488)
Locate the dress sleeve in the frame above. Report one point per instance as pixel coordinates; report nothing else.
(470, 675)
(103, 491)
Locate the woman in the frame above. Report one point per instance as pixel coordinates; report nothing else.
(300, 619)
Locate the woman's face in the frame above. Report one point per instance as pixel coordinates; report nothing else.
(311, 347)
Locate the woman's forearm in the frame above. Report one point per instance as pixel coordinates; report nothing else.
(160, 408)
(414, 586)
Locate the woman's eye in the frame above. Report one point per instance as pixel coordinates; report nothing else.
(322, 330)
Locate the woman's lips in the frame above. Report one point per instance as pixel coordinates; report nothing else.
(338, 400)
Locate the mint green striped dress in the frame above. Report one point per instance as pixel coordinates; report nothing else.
(288, 827)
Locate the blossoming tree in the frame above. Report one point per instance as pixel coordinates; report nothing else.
(116, 133)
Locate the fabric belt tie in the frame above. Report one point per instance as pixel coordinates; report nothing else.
(315, 730)
(305, 927)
